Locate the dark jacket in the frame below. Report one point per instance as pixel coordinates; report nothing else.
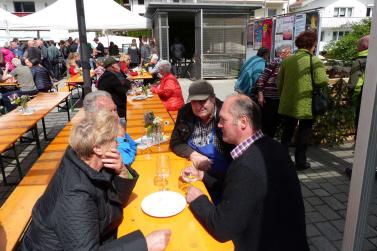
(42, 78)
(81, 209)
(262, 207)
(111, 83)
(184, 127)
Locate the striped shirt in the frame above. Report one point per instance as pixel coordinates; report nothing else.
(244, 145)
(267, 80)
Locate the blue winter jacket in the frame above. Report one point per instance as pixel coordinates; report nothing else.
(249, 74)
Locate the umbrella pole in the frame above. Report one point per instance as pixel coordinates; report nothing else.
(83, 47)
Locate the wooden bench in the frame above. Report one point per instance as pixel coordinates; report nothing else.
(15, 213)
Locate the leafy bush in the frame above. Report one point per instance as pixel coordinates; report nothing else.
(337, 124)
(345, 48)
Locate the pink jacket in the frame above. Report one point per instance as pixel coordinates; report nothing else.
(8, 56)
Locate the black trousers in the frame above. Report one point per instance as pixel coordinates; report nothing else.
(303, 136)
(270, 116)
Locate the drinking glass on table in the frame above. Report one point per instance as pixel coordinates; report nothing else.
(146, 141)
(189, 173)
(162, 171)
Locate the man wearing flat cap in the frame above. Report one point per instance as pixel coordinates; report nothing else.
(115, 82)
(197, 137)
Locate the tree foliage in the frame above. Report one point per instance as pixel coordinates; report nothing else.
(345, 48)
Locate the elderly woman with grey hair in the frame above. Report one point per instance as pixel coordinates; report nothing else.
(82, 206)
(168, 90)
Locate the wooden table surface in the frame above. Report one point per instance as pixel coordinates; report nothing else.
(9, 84)
(79, 78)
(187, 233)
(13, 124)
(145, 75)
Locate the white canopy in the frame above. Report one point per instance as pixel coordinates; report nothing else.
(99, 15)
(7, 19)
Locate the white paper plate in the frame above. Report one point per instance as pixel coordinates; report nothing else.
(163, 204)
(141, 97)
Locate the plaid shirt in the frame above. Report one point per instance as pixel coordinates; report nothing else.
(267, 80)
(244, 145)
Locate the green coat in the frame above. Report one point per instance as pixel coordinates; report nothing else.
(295, 84)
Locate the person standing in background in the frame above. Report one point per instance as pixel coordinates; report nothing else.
(268, 96)
(177, 50)
(133, 52)
(145, 52)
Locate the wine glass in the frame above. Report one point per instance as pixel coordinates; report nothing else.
(146, 141)
(189, 173)
(159, 136)
(162, 171)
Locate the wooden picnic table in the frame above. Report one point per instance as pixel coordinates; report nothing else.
(187, 232)
(14, 124)
(6, 84)
(142, 76)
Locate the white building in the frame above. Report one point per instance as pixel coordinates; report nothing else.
(336, 16)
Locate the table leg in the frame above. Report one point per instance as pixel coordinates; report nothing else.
(44, 128)
(3, 170)
(18, 165)
(36, 137)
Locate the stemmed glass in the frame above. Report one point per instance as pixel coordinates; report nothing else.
(189, 173)
(162, 171)
(146, 141)
(159, 136)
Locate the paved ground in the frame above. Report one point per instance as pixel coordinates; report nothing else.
(324, 186)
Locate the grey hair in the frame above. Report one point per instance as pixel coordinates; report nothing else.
(90, 99)
(244, 106)
(282, 48)
(16, 62)
(164, 66)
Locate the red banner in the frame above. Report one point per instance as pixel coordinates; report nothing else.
(267, 34)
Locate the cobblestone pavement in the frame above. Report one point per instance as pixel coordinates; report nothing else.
(324, 186)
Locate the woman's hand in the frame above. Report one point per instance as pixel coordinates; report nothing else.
(158, 240)
(113, 160)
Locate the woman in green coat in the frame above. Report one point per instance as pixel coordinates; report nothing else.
(295, 88)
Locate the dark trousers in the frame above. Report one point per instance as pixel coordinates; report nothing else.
(270, 116)
(303, 136)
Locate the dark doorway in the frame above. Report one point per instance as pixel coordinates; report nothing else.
(182, 26)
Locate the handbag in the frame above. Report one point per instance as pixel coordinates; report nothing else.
(319, 97)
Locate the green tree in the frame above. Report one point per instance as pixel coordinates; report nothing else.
(345, 48)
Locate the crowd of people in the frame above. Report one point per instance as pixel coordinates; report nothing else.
(255, 195)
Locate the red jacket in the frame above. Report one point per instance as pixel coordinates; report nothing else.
(170, 92)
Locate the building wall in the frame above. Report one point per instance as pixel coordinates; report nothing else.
(39, 4)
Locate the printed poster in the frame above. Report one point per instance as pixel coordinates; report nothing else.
(250, 35)
(300, 24)
(258, 32)
(267, 34)
(312, 20)
(284, 31)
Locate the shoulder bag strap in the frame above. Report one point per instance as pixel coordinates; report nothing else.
(311, 69)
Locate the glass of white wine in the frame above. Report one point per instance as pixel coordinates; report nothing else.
(189, 173)
(163, 171)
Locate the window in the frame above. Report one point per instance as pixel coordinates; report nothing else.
(343, 12)
(340, 34)
(271, 12)
(369, 12)
(24, 7)
(322, 35)
(140, 2)
(334, 35)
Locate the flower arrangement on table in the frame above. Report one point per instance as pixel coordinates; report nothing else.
(153, 124)
(20, 101)
(139, 88)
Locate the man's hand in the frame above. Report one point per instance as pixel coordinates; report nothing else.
(192, 171)
(200, 161)
(192, 194)
(113, 160)
(158, 240)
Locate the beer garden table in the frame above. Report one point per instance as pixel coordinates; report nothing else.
(187, 232)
